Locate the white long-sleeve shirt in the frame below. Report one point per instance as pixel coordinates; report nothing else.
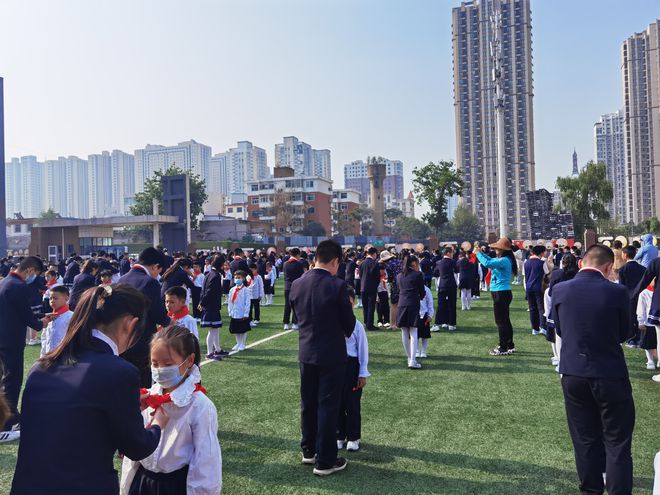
(187, 322)
(358, 347)
(643, 307)
(55, 332)
(272, 276)
(189, 439)
(241, 307)
(426, 305)
(257, 287)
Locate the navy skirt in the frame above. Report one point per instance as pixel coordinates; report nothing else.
(407, 316)
(150, 483)
(423, 329)
(211, 318)
(239, 326)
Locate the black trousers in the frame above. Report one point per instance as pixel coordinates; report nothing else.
(12, 367)
(255, 309)
(320, 393)
(601, 419)
(383, 308)
(446, 314)
(501, 302)
(195, 294)
(535, 304)
(287, 310)
(368, 309)
(150, 483)
(349, 426)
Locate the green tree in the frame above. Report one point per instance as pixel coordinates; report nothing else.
(465, 226)
(49, 214)
(342, 222)
(314, 229)
(390, 215)
(364, 216)
(586, 196)
(434, 184)
(651, 225)
(153, 189)
(411, 228)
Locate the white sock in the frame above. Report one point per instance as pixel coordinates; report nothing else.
(213, 340)
(405, 337)
(649, 356)
(554, 349)
(425, 343)
(244, 343)
(414, 343)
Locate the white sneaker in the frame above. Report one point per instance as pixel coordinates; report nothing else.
(256, 322)
(387, 325)
(286, 326)
(554, 360)
(353, 446)
(9, 436)
(650, 365)
(235, 348)
(253, 324)
(379, 325)
(451, 328)
(435, 328)
(294, 327)
(422, 354)
(444, 325)
(535, 332)
(419, 354)
(340, 444)
(241, 348)
(414, 365)
(656, 378)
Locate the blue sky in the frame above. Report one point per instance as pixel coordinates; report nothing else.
(359, 77)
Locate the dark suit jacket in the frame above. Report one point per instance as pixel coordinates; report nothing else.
(369, 275)
(293, 270)
(445, 270)
(124, 266)
(16, 313)
(349, 275)
(325, 317)
(630, 274)
(81, 283)
(239, 264)
(72, 269)
(592, 315)
(211, 296)
(179, 278)
(652, 272)
(74, 419)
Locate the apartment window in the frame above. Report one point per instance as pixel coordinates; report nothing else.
(239, 209)
(255, 201)
(311, 210)
(231, 210)
(344, 195)
(309, 183)
(311, 197)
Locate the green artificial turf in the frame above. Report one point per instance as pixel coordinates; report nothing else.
(467, 423)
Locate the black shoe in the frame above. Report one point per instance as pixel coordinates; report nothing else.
(499, 351)
(339, 465)
(308, 457)
(221, 353)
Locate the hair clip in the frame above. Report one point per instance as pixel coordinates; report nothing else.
(107, 290)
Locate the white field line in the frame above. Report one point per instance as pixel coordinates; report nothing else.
(253, 344)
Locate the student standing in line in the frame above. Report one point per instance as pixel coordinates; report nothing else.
(177, 309)
(424, 324)
(256, 293)
(209, 305)
(445, 271)
(293, 269)
(383, 305)
(535, 269)
(239, 310)
(411, 291)
(54, 333)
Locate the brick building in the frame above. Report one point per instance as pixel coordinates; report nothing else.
(289, 202)
(344, 203)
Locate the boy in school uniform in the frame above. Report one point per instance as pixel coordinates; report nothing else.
(106, 278)
(256, 287)
(383, 304)
(196, 291)
(349, 427)
(238, 305)
(424, 322)
(269, 283)
(55, 331)
(177, 309)
(52, 280)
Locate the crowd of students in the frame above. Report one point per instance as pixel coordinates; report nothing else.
(99, 314)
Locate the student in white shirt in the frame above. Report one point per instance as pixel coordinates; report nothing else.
(53, 334)
(269, 283)
(349, 427)
(226, 280)
(648, 339)
(177, 309)
(188, 459)
(256, 293)
(426, 313)
(53, 279)
(238, 305)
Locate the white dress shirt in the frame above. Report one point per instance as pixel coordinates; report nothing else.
(643, 307)
(426, 304)
(257, 287)
(358, 347)
(189, 439)
(101, 336)
(55, 332)
(189, 323)
(241, 307)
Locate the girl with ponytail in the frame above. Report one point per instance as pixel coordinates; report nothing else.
(411, 293)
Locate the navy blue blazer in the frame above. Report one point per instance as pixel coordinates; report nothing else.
(81, 283)
(179, 278)
(652, 272)
(72, 269)
(124, 266)
(239, 264)
(369, 275)
(630, 274)
(325, 317)
(445, 270)
(592, 315)
(349, 274)
(74, 419)
(293, 270)
(16, 313)
(211, 296)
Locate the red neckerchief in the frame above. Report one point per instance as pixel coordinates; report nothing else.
(196, 273)
(62, 310)
(235, 295)
(155, 401)
(140, 267)
(184, 311)
(50, 284)
(651, 288)
(237, 258)
(16, 274)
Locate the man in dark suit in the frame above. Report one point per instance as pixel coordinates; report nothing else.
(369, 280)
(124, 265)
(629, 276)
(293, 269)
(72, 269)
(445, 270)
(239, 262)
(16, 317)
(143, 277)
(592, 315)
(326, 318)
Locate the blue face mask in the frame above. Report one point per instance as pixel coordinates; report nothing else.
(30, 278)
(167, 376)
(238, 281)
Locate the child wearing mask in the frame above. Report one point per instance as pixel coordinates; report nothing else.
(238, 305)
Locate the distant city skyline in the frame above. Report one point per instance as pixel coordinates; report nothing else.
(361, 93)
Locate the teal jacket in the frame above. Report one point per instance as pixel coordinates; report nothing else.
(500, 278)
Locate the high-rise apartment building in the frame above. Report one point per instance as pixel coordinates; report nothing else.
(189, 156)
(123, 182)
(302, 158)
(355, 177)
(100, 184)
(610, 150)
(24, 183)
(218, 174)
(474, 105)
(229, 172)
(640, 65)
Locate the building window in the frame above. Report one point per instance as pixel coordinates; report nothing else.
(309, 183)
(311, 197)
(255, 201)
(255, 187)
(311, 210)
(231, 210)
(239, 209)
(344, 195)
(343, 207)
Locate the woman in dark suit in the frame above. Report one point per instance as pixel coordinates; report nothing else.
(83, 281)
(178, 275)
(411, 292)
(81, 402)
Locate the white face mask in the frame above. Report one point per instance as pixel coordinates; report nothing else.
(167, 376)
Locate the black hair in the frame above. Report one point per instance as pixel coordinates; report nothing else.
(62, 289)
(630, 252)
(447, 250)
(372, 250)
(599, 254)
(106, 273)
(217, 262)
(31, 262)
(408, 260)
(252, 266)
(294, 252)
(180, 340)
(178, 292)
(238, 251)
(351, 291)
(52, 273)
(569, 265)
(180, 262)
(239, 273)
(327, 251)
(98, 305)
(617, 245)
(89, 266)
(537, 250)
(150, 257)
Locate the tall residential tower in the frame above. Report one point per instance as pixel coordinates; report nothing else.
(474, 105)
(610, 150)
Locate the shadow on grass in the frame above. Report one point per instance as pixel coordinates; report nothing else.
(368, 472)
